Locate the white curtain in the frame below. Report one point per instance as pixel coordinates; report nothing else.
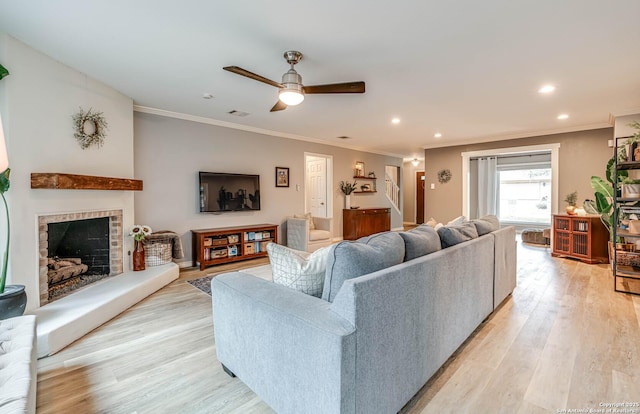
(487, 186)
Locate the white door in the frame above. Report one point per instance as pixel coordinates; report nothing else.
(317, 186)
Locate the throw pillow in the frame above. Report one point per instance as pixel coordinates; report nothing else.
(420, 241)
(457, 221)
(432, 222)
(312, 225)
(348, 260)
(452, 235)
(486, 224)
(298, 270)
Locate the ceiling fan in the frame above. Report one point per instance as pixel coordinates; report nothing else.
(291, 89)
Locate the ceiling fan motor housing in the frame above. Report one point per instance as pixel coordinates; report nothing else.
(292, 81)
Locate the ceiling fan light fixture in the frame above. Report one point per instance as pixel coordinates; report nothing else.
(292, 92)
(291, 97)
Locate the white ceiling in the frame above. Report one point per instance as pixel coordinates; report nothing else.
(468, 69)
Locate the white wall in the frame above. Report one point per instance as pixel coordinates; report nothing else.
(38, 100)
(622, 128)
(169, 152)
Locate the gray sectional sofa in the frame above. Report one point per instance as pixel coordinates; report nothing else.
(379, 339)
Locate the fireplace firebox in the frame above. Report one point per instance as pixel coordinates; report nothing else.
(77, 249)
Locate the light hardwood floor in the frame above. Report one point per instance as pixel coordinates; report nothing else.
(564, 340)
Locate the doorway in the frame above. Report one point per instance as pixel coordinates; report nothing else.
(318, 176)
(420, 181)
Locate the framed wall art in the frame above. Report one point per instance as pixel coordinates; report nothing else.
(282, 177)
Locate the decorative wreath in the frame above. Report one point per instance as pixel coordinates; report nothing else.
(444, 176)
(97, 125)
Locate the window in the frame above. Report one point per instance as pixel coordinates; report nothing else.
(524, 193)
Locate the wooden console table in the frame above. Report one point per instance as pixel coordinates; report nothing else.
(362, 222)
(231, 244)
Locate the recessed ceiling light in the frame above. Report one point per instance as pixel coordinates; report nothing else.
(395, 121)
(437, 135)
(547, 89)
(207, 96)
(563, 116)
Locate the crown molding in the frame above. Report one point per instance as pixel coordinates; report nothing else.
(530, 134)
(231, 125)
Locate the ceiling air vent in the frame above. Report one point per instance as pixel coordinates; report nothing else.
(343, 137)
(237, 113)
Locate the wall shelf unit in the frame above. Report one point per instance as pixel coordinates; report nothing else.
(625, 257)
(372, 187)
(231, 244)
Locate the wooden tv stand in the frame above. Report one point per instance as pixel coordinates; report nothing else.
(231, 244)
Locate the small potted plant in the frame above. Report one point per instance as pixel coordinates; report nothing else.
(571, 199)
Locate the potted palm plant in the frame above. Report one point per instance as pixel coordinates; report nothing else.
(13, 298)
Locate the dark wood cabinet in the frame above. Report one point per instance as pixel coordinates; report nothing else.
(231, 244)
(580, 237)
(362, 222)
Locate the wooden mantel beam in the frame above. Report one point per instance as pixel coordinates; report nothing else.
(58, 181)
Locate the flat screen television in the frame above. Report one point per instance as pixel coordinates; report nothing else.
(222, 192)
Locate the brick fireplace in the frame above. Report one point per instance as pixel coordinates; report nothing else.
(101, 258)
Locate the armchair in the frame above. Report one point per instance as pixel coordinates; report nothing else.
(303, 236)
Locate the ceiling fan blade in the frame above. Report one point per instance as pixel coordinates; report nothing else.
(243, 72)
(348, 87)
(279, 106)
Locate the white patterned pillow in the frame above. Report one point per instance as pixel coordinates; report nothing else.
(298, 270)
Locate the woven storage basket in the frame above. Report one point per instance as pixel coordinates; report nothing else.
(157, 251)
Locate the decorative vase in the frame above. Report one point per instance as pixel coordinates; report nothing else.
(571, 210)
(347, 201)
(12, 301)
(138, 256)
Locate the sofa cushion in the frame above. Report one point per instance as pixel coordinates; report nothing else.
(312, 225)
(486, 224)
(420, 241)
(451, 235)
(298, 270)
(319, 235)
(366, 255)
